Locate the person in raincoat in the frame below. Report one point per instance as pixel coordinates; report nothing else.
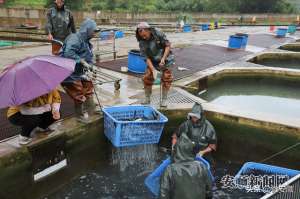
(185, 178)
(40, 112)
(60, 24)
(200, 131)
(155, 46)
(77, 46)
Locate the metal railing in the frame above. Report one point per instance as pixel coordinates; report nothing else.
(288, 190)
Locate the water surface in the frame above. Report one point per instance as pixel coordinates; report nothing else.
(274, 96)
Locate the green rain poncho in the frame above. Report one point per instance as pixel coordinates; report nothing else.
(185, 178)
(202, 132)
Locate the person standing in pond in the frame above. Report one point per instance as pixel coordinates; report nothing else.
(185, 178)
(200, 131)
(77, 46)
(60, 24)
(40, 112)
(155, 46)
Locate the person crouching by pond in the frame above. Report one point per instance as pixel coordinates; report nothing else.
(40, 112)
(200, 131)
(155, 46)
(77, 46)
(185, 178)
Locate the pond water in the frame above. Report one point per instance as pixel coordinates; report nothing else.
(123, 175)
(274, 96)
(291, 63)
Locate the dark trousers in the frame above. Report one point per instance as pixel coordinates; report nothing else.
(79, 90)
(29, 122)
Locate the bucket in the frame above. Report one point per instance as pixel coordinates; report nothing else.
(119, 34)
(281, 32)
(187, 28)
(106, 35)
(136, 62)
(205, 27)
(235, 42)
(245, 39)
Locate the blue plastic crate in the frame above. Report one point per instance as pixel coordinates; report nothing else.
(122, 132)
(258, 169)
(152, 181)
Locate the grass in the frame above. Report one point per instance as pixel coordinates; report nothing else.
(27, 3)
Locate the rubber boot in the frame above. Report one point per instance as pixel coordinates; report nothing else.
(80, 114)
(90, 106)
(148, 92)
(164, 101)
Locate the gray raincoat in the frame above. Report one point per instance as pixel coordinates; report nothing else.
(185, 178)
(202, 133)
(77, 46)
(155, 47)
(60, 23)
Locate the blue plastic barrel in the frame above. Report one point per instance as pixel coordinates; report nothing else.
(205, 27)
(187, 28)
(106, 35)
(245, 39)
(235, 42)
(281, 32)
(136, 62)
(119, 34)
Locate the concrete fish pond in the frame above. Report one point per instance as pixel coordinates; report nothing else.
(256, 93)
(96, 169)
(278, 60)
(295, 47)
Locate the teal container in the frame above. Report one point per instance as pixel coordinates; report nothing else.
(292, 29)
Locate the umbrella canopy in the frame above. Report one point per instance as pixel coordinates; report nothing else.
(32, 77)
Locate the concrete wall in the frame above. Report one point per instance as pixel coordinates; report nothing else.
(17, 16)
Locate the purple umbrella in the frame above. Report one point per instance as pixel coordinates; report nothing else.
(32, 77)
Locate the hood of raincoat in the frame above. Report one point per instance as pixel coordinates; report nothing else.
(87, 28)
(197, 111)
(183, 150)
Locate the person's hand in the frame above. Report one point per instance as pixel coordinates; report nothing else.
(201, 153)
(162, 62)
(56, 115)
(50, 37)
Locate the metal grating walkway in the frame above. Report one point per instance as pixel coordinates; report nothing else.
(174, 97)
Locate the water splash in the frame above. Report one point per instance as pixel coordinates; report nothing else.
(142, 158)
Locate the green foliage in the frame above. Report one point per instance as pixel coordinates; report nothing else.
(210, 6)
